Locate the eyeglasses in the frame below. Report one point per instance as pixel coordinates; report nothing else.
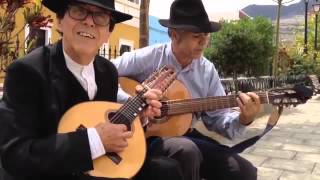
(80, 13)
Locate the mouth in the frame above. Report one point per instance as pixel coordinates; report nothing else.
(86, 35)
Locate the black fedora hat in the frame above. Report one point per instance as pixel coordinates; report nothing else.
(55, 5)
(189, 15)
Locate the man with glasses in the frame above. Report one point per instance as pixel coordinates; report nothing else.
(40, 87)
(199, 156)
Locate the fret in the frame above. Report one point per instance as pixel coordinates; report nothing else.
(172, 107)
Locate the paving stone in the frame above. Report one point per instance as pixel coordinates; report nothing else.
(308, 157)
(311, 142)
(297, 130)
(268, 173)
(268, 144)
(282, 140)
(301, 148)
(316, 170)
(290, 165)
(273, 153)
(254, 159)
(298, 176)
(317, 131)
(307, 136)
(291, 151)
(280, 133)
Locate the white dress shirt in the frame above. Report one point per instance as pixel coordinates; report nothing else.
(86, 77)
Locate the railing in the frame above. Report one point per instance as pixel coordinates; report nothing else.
(112, 53)
(108, 52)
(246, 84)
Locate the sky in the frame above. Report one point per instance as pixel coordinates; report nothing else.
(161, 8)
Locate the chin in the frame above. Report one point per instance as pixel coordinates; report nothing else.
(197, 56)
(86, 49)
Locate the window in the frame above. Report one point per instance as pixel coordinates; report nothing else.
(135, 1)
(125, 45)
(124, 48)
(42, 36)
(39, 35)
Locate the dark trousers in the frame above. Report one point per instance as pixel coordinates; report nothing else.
(219, 162)
(158, 166)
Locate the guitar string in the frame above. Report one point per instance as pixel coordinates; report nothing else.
(134, 104)
(181, 106)
(201, 103)
(117, 118)
(126, 110)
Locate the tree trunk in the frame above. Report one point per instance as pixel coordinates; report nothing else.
(144, 23)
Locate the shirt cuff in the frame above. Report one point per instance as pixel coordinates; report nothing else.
(96, 146)
(240, 127)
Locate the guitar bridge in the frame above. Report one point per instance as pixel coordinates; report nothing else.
(114, 157)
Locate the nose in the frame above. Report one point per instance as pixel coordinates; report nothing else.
(89, 20)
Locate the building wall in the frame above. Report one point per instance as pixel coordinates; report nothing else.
(131, 8)
(124, 34)
(20, 30)
(157, 33)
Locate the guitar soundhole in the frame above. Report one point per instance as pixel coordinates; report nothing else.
(119, 120)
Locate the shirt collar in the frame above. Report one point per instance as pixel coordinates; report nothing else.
(75, 67)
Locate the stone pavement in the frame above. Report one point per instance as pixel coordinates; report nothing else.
(291, 151)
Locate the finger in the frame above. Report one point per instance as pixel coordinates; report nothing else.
(255, 98)
(240, 104)
(122, 144)
(153, 94)
(150, 96)
(122, 127)
(156, 111)
(117, 149)
(244, 98)
(127, 134)
(151, 112)
(154, 103)
(139, 88)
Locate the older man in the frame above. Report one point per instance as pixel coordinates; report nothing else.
(43, 85)
(198, 156)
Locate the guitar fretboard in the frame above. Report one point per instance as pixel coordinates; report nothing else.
(129, 111)
(173, 107)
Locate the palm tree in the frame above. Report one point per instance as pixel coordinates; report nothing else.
(144, 23)
(276, 58)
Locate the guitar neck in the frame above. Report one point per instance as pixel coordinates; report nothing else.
(130, 110)
(174, 107)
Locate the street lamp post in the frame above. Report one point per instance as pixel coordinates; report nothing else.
(316, 9)
(305, 49)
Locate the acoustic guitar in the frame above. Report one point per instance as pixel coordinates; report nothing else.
(176, 112)
(88, 114)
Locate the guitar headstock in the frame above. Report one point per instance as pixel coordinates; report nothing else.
(298, 94)
(161, 79)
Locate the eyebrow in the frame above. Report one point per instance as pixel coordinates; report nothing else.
(84, 6)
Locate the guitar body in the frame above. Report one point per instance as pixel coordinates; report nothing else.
(176, 125)
(89, 114)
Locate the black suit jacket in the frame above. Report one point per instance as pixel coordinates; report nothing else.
(38, 90)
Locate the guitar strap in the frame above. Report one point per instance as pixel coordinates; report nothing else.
(272, 121)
